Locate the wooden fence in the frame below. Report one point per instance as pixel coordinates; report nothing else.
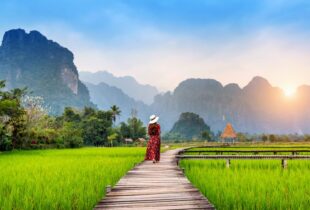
(228, 158)
(275, 152)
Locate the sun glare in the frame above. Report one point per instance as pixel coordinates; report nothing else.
(289, 92)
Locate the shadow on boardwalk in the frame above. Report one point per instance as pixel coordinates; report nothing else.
(161, 186)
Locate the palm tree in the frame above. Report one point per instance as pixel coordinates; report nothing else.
(115, 112)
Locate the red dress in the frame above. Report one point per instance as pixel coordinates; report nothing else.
(153, 146)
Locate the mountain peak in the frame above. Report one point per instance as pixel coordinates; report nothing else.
(19, 38)
(36, 36)
(14, 36)
(128, 84)
(258, 82)
(198, 84)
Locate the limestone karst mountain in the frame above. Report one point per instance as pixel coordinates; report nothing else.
(104, 96)
(46, 68)
(127, 84)
(257, 108)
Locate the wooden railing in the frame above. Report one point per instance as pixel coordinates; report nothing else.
(275, 152)
(284, 158)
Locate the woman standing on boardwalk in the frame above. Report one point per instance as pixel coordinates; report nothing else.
(153, 146)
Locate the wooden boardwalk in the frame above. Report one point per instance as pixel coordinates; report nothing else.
(158, 187)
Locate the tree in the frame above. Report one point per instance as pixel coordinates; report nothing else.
(241, 137)
(71, 136)
(272, 138)
(172, 136)
(125, 130)
(137, 129)
(12, 115)
(94, 131)
(95, 127)
(264, 138)
(112, 138)
(134, 129)
(206, 135)
(115, 112)
(5, 140)
(71, 115)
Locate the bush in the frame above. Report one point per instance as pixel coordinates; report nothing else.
(71, 136)
(5, 140)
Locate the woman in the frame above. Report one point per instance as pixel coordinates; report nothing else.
(153, 146)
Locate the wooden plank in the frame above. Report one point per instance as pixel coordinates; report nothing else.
(200, 202)
(155, 186)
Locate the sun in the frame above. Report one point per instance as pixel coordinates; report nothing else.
(289, 92)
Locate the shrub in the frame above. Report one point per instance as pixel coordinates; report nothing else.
(71, 136)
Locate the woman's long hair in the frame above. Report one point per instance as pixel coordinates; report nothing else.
(153, 129)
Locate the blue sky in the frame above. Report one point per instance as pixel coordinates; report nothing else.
(228, 40)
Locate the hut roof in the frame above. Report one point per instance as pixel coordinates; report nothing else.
(128, 140)
(228, 132)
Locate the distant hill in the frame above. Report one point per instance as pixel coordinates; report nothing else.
(45, 67)
(257, 108)
(189, 126)
(127, 84)
(104, 96)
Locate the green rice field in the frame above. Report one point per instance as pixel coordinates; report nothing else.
(62, 179)
(252, 184)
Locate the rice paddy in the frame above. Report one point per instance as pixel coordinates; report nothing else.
(252, 184)
(62, 179)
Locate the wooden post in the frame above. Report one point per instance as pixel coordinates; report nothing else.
(227, 163)
(284, 163)
(108, 189)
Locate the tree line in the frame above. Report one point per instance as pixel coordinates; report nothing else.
(26, 124)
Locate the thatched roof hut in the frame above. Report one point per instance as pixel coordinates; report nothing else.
(228, 132)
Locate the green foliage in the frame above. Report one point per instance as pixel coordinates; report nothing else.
(115, 112)
(71, 136)
(70, 115)
(206, 135)
(12, 115)
(241, 137)
(112, 138)
(25, 124)
(264, 138)
(93, 125)
(95, 131)
(191, 126)
(133, 129)
(172, 136)
(5, 140)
